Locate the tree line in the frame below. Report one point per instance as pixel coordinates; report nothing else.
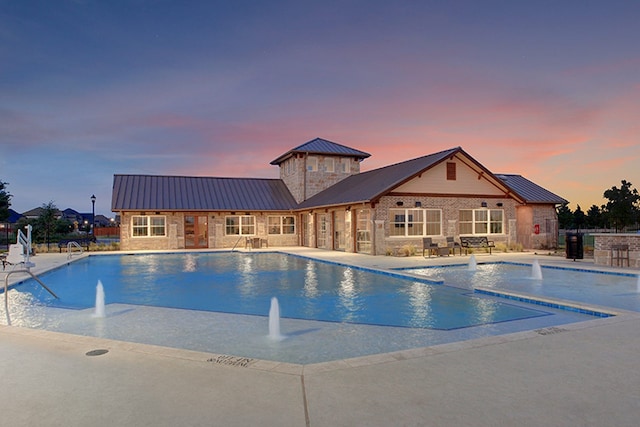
(620, 213)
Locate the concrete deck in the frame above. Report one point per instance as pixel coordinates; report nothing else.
(585, 374)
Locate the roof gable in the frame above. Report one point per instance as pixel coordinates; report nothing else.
(322, 146)
(173, 193)
(370, 185)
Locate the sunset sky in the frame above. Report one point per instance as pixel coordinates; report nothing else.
(88, 89)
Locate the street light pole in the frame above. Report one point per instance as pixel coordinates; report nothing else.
(93, 215)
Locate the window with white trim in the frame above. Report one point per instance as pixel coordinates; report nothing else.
(329, 164)
(148, 226)
(281, 224)
(415, 222)
(312, 164)
(240, 225)
(481, 221)
(344, 166)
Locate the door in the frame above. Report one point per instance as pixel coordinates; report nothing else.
(363, 231)
(339, 242)
(195, 231)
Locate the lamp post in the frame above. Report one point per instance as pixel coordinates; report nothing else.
(93, 215)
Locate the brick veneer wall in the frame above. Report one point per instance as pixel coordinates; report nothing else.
(603, 243)
(217, 239)
(450, 207)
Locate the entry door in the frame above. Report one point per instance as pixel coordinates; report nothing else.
(339, 242)
(363, 231)
(195, 231)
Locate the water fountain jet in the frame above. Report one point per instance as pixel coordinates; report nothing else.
(638, 285)
(472, 263)
(100, 309)
(536, 270)
(274, 320)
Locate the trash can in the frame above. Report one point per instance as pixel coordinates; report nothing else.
(575, 249)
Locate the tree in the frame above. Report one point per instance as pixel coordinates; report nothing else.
(622, 207)
(578, 217)
(47, 220)
(594, 217)
(565, 216)
(5, 202)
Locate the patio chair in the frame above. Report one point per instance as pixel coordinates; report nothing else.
(452, 244)
(428, 245)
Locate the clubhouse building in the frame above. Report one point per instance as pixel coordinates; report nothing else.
(322, 200)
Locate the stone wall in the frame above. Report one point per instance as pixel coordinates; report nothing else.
(602, 254)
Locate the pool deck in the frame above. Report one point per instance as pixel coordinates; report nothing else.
(585, 374)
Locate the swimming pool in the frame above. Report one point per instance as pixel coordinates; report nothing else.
(610, 289)
(218, 302)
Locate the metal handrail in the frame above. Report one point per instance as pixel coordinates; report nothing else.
(6, 288)
(238, 241)
(76, 244)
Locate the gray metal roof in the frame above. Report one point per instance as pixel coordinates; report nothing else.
(322, 146)
(184, 193)
(530, 191)
(368, 186)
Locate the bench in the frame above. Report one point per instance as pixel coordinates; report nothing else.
(84, 242)
(475, 242)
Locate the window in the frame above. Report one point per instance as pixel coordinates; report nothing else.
(240, 225)
(148, 226)
(343, 166)
(281, 225)
(312, 164)
(415, 222)
(329, 164)
(451, 171)
(481, 221)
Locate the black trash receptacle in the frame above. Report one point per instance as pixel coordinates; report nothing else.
(575, 249)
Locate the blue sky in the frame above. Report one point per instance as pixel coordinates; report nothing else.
(88, 89)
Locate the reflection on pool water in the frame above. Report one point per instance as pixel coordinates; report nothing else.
(219, 302)
(619, 290)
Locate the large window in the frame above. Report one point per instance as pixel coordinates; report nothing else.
(240, 225)
(415, 222)
(281, 225)
(481, 221)
(148, 226)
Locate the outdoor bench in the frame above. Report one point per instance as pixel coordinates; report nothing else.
(475, 242)
(84, 242)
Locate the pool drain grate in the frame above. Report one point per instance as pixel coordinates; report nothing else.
(550, 331)
(242, 362)
(98, 352)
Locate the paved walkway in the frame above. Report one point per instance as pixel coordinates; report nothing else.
(585, 374)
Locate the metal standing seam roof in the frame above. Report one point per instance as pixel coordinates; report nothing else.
(530, 191)
(183, 193)
(367, 186)
(322, 146)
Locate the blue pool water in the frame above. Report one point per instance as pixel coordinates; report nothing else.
(218, 303)
(243, 283)
(607, 289)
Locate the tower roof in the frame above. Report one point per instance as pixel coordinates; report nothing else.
(322, 146)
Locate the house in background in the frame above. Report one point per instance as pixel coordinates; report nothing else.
(322, 200)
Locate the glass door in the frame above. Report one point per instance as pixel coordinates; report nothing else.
(195, 231)
(339, 242)
(363, 231)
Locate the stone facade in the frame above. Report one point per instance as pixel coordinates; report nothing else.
(602, 253)
(216, 237)
(308, 174)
